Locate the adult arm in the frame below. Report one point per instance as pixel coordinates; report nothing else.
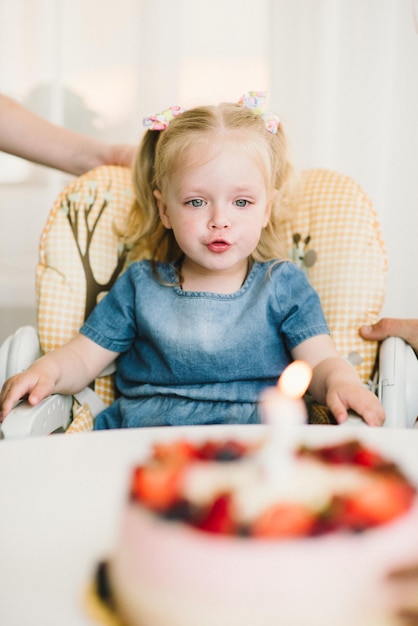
(26, 135)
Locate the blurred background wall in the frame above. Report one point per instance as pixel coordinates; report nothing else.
(343, 75)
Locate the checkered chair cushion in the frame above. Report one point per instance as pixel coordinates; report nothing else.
(80, 258)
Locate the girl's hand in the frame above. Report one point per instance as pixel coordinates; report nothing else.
(335, 382)
(353, 395)
(32, 384)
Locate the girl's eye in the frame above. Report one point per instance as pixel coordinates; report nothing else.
(241, 203)
(196, 202)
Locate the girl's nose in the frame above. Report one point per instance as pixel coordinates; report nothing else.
(218, 219)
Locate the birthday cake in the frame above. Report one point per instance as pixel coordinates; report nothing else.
(213, 535)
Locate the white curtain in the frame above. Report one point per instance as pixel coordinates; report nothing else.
(343, 75)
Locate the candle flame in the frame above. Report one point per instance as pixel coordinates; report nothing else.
(295, 379)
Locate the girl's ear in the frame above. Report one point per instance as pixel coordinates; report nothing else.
(162, 208)
(269, 207)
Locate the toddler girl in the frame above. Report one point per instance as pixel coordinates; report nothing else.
(213, 316)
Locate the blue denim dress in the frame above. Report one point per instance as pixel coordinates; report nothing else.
(197, 357)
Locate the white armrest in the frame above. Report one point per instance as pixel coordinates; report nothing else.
(353, 419)
(54, 413)
(18, 351)
(51, 414)
(90, 397)
(398, 383)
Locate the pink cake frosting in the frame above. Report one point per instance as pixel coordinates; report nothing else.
(240, 564)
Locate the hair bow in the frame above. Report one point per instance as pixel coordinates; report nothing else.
(255, 100)
(160, 121)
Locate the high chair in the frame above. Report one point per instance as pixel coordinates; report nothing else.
(334, 235)
(398, 377)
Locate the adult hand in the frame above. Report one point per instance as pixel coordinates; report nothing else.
(407, 329)
(404, 582)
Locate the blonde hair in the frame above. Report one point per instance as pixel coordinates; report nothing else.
(162, 153)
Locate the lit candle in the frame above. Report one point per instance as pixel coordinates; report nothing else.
(283, 404)
(283, 409)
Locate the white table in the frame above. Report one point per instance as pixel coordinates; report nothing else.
(61, 497)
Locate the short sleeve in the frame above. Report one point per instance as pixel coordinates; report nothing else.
(112, 322)
(304, 317)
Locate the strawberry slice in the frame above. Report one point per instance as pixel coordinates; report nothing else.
(219, 518)
(378, 503)
(284, 520)
(157, 485)
(177, 452)
(370, 458)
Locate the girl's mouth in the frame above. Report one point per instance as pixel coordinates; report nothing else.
(219, 245)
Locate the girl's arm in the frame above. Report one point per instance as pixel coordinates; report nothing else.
(66, 370)
(336, 384)
(26, 135)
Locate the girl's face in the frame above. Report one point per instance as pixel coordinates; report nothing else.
(216, 209)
